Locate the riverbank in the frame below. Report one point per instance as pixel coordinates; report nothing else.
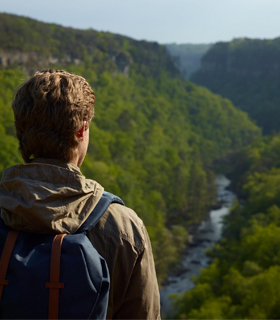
(208, 233)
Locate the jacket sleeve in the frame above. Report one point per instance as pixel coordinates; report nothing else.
(122, 239)
(141, 300)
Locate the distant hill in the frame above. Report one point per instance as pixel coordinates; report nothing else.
(187, 57)
(32, 44)
(247, 71)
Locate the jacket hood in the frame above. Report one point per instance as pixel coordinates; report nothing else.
(47, 196)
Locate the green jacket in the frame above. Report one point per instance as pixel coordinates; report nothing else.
(50, 196)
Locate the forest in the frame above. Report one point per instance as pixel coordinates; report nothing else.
(246, 71)
(154, 135)
(158, 140)
(242, 280)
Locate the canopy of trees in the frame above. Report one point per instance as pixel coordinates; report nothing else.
(242, 282)
(246, 71)
(154, 135)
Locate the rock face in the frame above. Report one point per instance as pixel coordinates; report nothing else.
(122, 61)
(32, 61)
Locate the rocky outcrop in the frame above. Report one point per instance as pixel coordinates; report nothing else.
(31, 61)
(122, 62)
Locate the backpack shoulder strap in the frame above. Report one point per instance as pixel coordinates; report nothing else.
(97, 213)
(5, 258)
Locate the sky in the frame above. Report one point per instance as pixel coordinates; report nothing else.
(163, 21)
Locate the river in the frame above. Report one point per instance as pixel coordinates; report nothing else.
(208, 233)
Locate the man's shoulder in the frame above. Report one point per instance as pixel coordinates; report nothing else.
(123, 224)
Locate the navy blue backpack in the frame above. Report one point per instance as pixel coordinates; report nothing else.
(54, 276)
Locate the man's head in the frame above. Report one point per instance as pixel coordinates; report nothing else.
(51, 109)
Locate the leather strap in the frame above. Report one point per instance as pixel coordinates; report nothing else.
(5, 258)
(54, 285)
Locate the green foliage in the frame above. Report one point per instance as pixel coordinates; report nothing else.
(50, 44)
(154, 135)
(146, 146)
(9, 154)
(259, 157)
(246, 72)
(243, 280)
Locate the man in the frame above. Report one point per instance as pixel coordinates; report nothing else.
(48, 193)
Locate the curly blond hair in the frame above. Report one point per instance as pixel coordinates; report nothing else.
(49, 110)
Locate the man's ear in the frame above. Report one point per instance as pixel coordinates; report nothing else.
(80, 133)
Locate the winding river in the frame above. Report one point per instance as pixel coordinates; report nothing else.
(208, 233)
